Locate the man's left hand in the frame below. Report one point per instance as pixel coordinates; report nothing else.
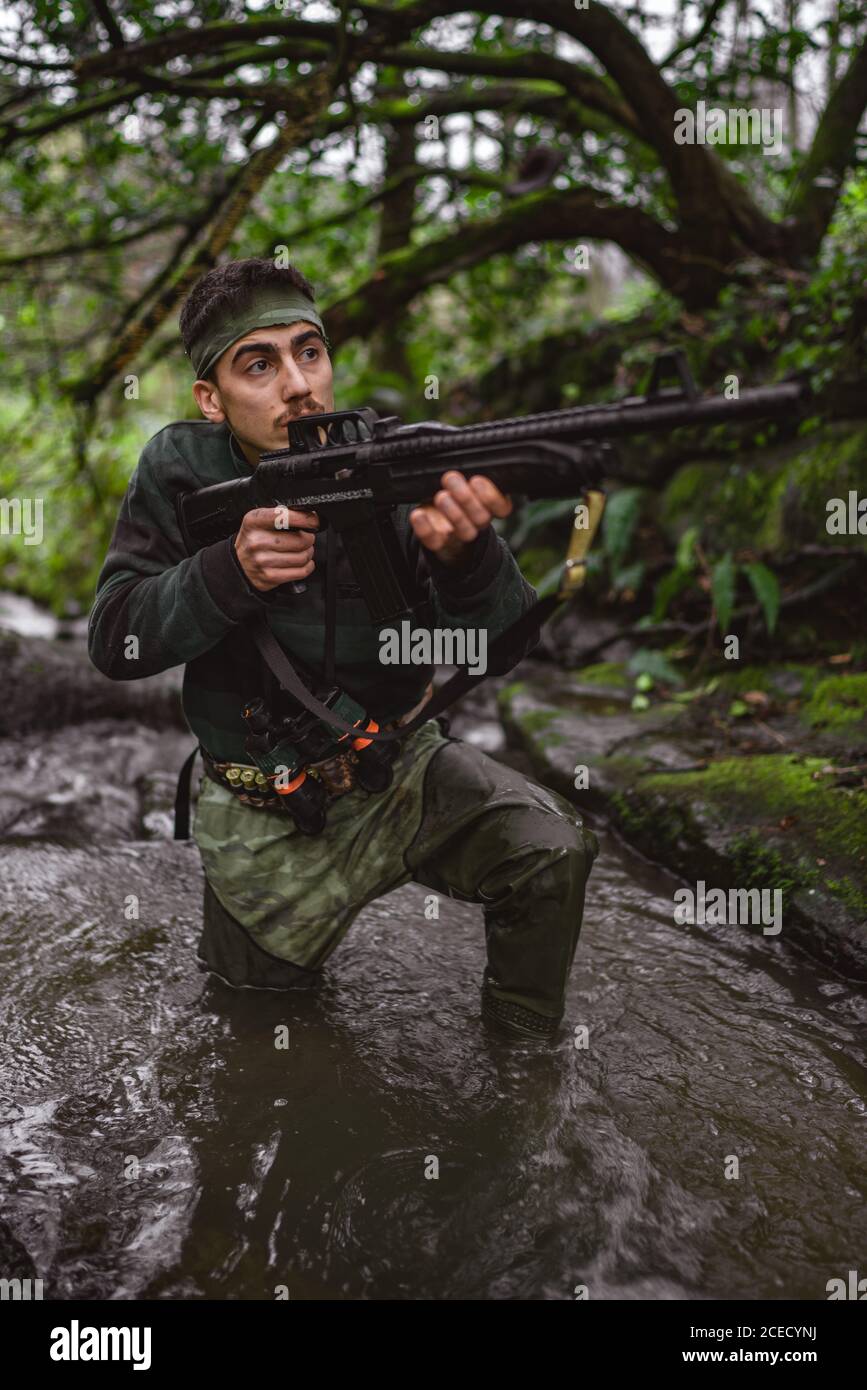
(452, 521)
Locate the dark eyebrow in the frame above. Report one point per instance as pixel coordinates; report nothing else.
(260, 347)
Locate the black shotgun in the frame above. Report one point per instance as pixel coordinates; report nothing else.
(354, 467)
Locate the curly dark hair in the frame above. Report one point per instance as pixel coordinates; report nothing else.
(230, 286)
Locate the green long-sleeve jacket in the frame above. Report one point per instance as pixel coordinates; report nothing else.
(196, 610)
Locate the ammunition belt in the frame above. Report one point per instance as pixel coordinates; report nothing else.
(336, 773)
(249, 785)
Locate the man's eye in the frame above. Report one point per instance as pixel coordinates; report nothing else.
(260, 362)
(315, 352)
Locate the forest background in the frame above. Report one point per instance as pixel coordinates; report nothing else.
(497, 218)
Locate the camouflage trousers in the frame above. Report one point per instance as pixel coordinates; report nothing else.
(454, 820)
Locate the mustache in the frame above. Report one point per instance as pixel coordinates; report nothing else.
(315, 408)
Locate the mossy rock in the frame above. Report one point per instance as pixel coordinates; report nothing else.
(604, 673)
(537, 723)
(775, 499)
(833, 707)
(785, 680)
(836, 702)
(764, 822)
(829, 464)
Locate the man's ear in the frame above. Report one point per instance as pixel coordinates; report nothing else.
(208, 399)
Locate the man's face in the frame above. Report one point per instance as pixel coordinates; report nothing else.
(268, 377)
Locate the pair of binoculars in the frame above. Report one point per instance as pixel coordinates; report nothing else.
(278, 746)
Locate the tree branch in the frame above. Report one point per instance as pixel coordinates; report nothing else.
(556, 107)
(184, 41)
(38, 65)
(84, 248)
(702, 32)
(410, 173)
(715, 210)
(12, 134)
(539, 217)
(305, 102)
(817, 190)
(589, 89)
(109, 23)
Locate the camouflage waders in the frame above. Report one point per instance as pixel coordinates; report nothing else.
(454, 820)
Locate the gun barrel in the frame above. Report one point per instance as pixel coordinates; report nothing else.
(612, 421)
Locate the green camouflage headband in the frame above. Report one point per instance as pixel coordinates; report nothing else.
(266, 307)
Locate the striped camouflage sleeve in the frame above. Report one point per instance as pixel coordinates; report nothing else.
(155, 605)
(486, 590)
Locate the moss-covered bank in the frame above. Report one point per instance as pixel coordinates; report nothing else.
(755, 802)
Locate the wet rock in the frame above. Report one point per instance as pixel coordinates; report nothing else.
(95, 783)
(157, 804)
(563, 722)
(48, 684)
(476, 718)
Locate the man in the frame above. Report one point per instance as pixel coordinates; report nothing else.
(278, 901)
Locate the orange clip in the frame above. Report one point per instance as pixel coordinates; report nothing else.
(359, 743)
(292, 787)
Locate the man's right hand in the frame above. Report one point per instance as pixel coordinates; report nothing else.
(270, 555)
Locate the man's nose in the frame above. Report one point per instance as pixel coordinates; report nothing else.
(293, 382)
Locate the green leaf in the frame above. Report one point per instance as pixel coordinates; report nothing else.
(737, 709)
(640, 702)
(767, 590)
(654, 664)
(684, 557)
(536, 514)
(619, 521)
(629, 578)
(667, 588)
(644, 682)
(722, 587)
(549, 582)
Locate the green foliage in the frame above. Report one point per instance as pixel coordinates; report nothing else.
(684, 556)
(162, 156)
(654, 666)
(667, 588)
(536, 564)
(766, 588)
(537, 516)
(620, 518)
(722, 587)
